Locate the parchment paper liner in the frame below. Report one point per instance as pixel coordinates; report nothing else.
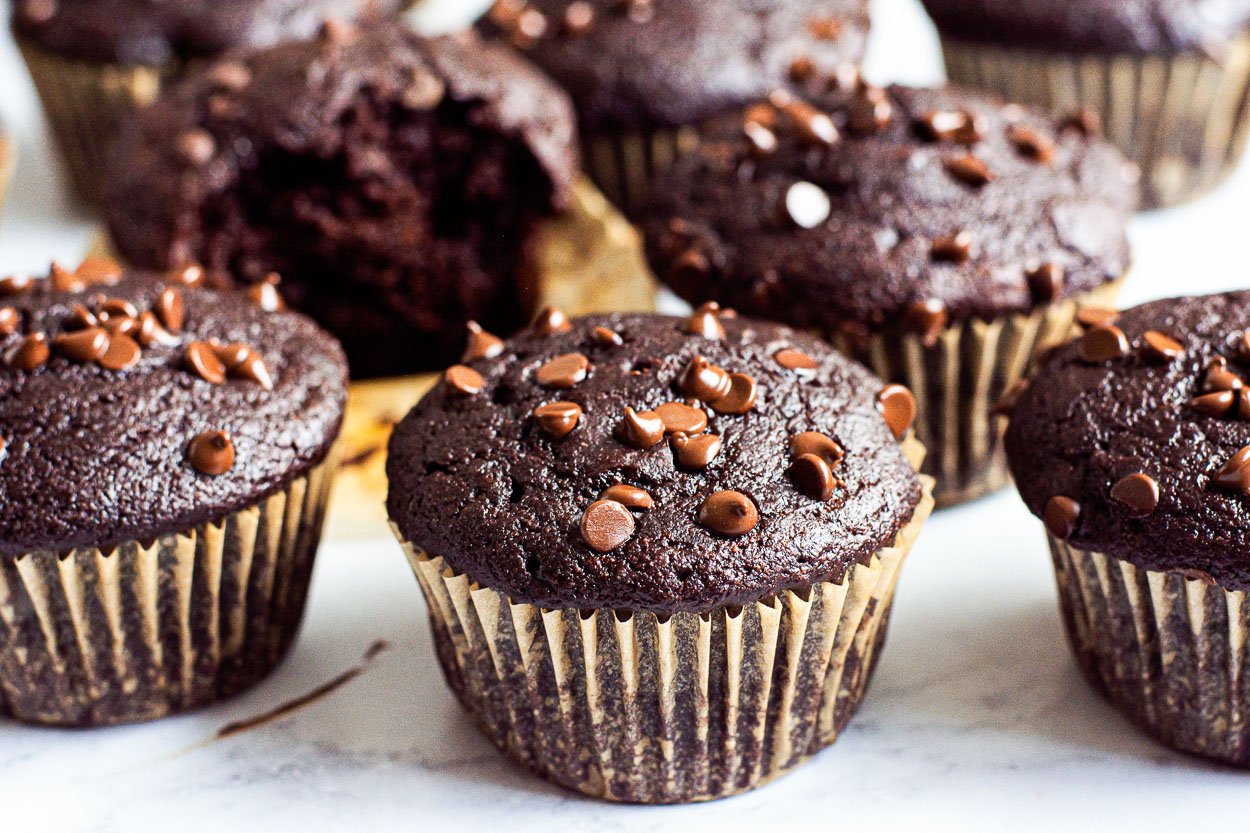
(1183, 118)
(958, 381)
(630, 706)
(1169, 651)
(142, 630)
(621, 163)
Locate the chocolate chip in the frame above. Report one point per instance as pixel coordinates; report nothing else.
(1139, 493)
(1031, 144)
(1045, 281)
(10, 320)
(196, 147)
(761, 140)
(211, 453)
(1157, 347)
(202, 360)
(119, 325)
(959, 126)
(706, 324)
(1219, 377)
(703, 380)
(1217, 404)
(813, 477)
(190, 275)
(1006, 404)
(681, 418)
(818, 444)
(63, 280)
(641, 429)
(231, 355)
(631, 497)
(814, 127)
(606, 525)
(579, 17)
(870, 112)
(117, 308)
(762, 113)
(80, 318)
(796, 360)
(1103, 343)
(970, 170)
(802, 69)
(123, 353)
(1096, 317)
(558, 419)
(15, 285)
(807, 205)
(82, 345)
(1060, 516)
(740, 398)
(695, 453)
(151, 332)
(170, 310)
(955, 248)
(252, 368)
(1235, 474)
(463, 381)
(551, 321)
(29, 353)
(482, 345)
(96, 270)
(898, 406)
(564, 372)
(1084, 121)
(926, 319)
(606, 337)
(265, 295)
(728, 513)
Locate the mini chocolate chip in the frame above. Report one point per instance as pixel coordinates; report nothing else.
(123, 353)
(10, 320)
(1158, 347)
(704, 380)
(695, 453)
(211, 453)
(1103, 343)
(898, 406)
(482, 345)
(1235, 474)
(681, 418)
(1084, 121)
(796, 360)
(551, 321)
(29, 353)
(729, 513)
(1006, 404)
(253, 369)
(202, 360)
(955, 248)
(96, 270)
(606, 525)
(1139, 493)
(870, 111)
(196, 147)
(80, 318)
(119, 325)
(1216, 404)
(1031, 144)
(564, 372)
(1045, 281)
(151, 332)
(970, 170)
(190, 275)
(117, 308)
(63, 280)
(705, 323)
(1219, 377)
(813, 477)
(960, 126)
(740, 398)
(170, 310)
(579, 16)
(631, 497)
(265, 295)
(814, 127)
(926, 319)
(15, 285)
(761, 140)
(818, 444)
(1060, 516)
(558, 419)
(1096, 317)
(606, 337)
(463, 381)
(231, 355)
(807, 205)
(641, 429)
(82, 345)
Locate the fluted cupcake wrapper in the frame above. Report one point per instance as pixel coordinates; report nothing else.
(622, 162)
(1170, 651)
(628, 705)
(1183, 118)
(958, 380)
(143, 630)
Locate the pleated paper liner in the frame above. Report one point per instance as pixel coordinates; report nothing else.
(622, 162)
(1171, 652)
(8, 162)
(1183, 118)
(146, 629)
(958, 381)
(636, 707)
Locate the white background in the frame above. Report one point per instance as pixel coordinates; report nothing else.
(977, 719)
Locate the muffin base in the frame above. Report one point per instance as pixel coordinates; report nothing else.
(628, 705)
(143, 630)
(960, 378)
(1169, 651)
(1183, 118)
(622, 163)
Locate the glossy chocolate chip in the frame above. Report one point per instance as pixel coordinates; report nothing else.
(1139, 493)
(813, 476)
(10, 320)
(170, 310)
(813, 126)
(898, 407)
(117, 308)
(695, 453)
(631, 497)
(563, 372)
(189, 275)
(870, 112)
(1217, 403)
(29, 353)
(123, 353)
(151, 332)
(954, 248)
(1031, 144)
(703, 380)
(265, 296)
(606, 525)
(63, 280)
(959, 126)
(641, 429)
(1103, 343)
(558, 419)
(551, 321)
(818, 444)
(202, 360)
(252, 369)
(741, 396)
(705, 323)
(806, 205)
(1045, 282)
(679, 417)
(11, 285)
(1234, 476)
(970, 170)
(761, 140)
(1219, 377)
(926, 319)
(606, 337)
(119, 325)
(1160, 348)
(729, 513)
(1096, 317)
(1060, 516)
(797, 361)
(482, 345)
(82, 346)
(463, 381)
(211, 453)
(80, 318)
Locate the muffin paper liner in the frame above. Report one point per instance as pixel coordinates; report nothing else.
(622, 163)
(1170, 651)
(142, 630)
(960, 378)
(628, 705)
(1183, 118)
(8, 162)
(84, 103)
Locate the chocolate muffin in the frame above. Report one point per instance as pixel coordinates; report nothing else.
(697, 523)
(941, 237)
(1133, 445)
(1170, 79)
(644, 74)
(92, 60)
(394, 182)
(164, 467)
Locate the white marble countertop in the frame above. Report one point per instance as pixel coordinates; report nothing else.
(977, 719)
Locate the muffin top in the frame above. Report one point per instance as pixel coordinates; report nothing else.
(1093, 26)
(898, 204)
(141, 405)
(649, 462)
(662, 63)
(152, 32)
(1132, 440)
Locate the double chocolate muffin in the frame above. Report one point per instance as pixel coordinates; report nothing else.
(394, 182)
(164, 468)
(1169, 78)
(92, 60)
(644, 74)
(939, 236)
(659, 553)
(1133, 445)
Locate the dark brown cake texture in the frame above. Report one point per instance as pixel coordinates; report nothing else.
(392, 181)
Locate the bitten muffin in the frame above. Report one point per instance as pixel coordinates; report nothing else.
(644, 74)
(92, 60)
(164, 467)
(659, 553)
(1133, 445)
(1170, 80)
(394, 182)
(936, 235)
